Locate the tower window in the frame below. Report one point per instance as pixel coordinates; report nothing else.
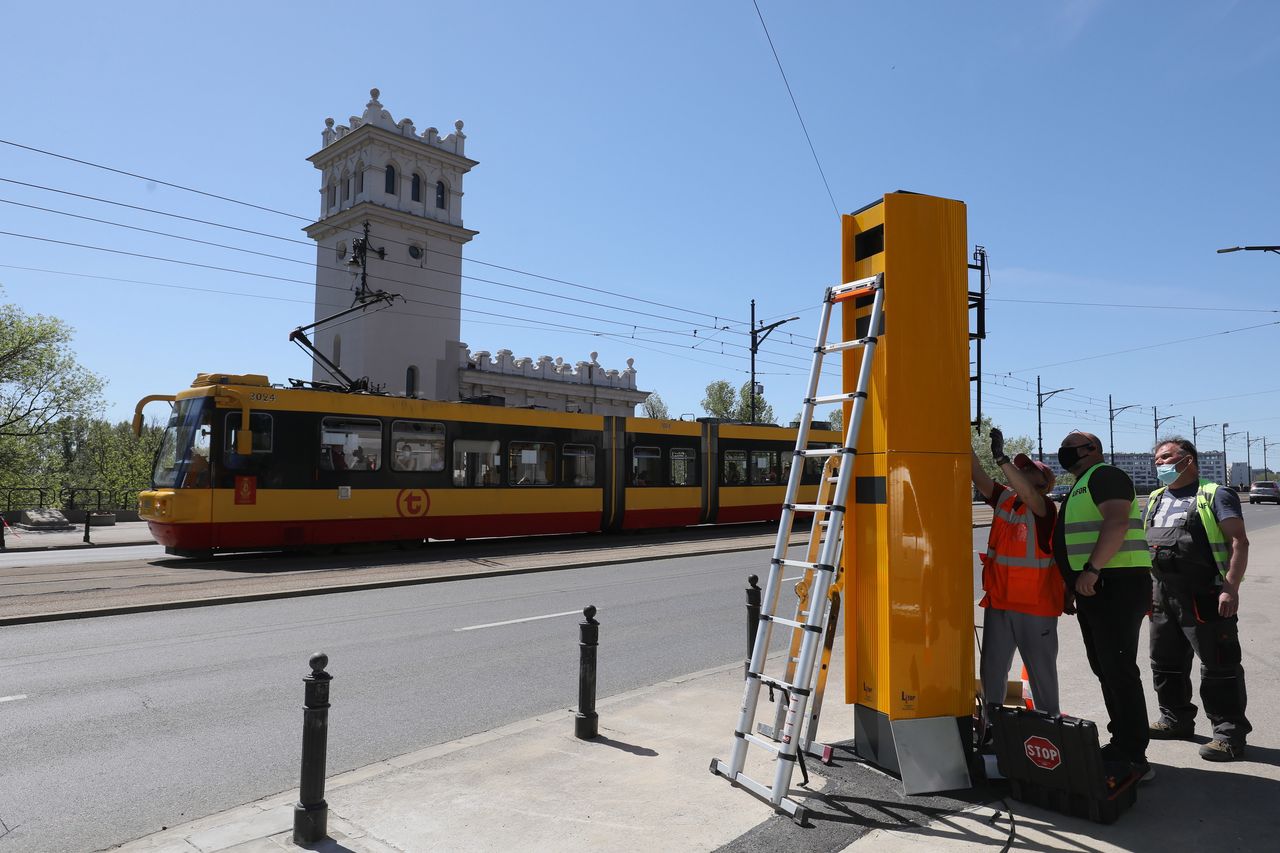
(346, 189)
(440, 193)
(333, 194)
(337, 350)
(359, 178)
(415, 189)
(411, 381)
(391, 180)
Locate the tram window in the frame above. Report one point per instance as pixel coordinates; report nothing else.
(579, 465)
(259, 424)
(350, 445)
(531, 463)
(813, 465)
(733, 471)
(764, 468)
(646, 466)
(476, 463)
(417, 446)
(684, 467)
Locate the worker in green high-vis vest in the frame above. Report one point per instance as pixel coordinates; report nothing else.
(1101, 550)
(1199, 552)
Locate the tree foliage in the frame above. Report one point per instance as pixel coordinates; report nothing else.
(723, 401)
(980, 439)
(40, 380)
(50, 436)
(654, 407)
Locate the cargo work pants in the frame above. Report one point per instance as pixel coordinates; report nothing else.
(1186, 624)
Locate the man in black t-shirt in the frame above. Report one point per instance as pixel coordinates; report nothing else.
(1111, 576)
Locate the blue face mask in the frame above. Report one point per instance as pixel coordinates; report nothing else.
(1167, 473)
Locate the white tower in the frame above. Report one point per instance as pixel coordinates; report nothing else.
(408, 187)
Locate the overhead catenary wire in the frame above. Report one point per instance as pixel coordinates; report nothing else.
(791, 94)
(308, 219)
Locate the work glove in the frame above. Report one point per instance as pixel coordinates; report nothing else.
(997, 444)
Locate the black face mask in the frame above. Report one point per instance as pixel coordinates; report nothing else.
(1069, 456)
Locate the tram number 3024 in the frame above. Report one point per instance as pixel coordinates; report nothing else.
(262, 398)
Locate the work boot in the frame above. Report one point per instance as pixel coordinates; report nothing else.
(1221, 750)
(1163, 729)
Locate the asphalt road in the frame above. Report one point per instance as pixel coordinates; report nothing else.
(115, 727)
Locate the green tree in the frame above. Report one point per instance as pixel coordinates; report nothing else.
(764, 412)
(654, 407)
(980, 438)
(721, 400)
(40, 384)
(836, 418)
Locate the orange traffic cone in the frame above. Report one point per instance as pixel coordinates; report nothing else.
(1027, 698)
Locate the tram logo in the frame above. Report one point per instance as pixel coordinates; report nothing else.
(413, 503)
(246, 491)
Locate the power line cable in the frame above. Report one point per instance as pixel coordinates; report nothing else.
(791, 94)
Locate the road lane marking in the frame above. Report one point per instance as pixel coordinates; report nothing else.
(13, 698)
(525, 619)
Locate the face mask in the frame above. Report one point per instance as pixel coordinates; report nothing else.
(1069, 456)
(1167, 473)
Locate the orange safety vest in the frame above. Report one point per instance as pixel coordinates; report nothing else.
(1016, 573)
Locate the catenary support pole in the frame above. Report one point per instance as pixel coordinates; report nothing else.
(311, 813)
(586, 723)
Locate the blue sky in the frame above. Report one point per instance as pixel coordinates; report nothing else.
(1104, 150)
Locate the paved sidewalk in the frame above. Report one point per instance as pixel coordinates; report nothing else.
(120, 533)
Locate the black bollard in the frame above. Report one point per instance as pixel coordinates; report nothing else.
(311, 814)
(586, 723)
(3, 524)
(753, 616)
(86, 528)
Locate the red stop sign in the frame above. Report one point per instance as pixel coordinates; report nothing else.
(1042, 752)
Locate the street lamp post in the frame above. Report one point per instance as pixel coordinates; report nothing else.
(1266, 472)
(1040, 400)
(1248, 454)
(1275, 249)
(757, 338)
(1155, 415)
(1113, 412)
(1225, 435)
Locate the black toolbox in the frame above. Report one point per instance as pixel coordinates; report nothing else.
(1055, 763)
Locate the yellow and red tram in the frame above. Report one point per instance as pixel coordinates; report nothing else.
(245, 465)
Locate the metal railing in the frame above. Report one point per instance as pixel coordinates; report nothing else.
(69, 498)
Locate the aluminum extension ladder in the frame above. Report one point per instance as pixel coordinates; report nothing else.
(815, 607)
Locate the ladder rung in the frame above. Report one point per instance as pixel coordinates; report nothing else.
(800, 564)
(845, 345)
(793, 624)
(854, 289)
(824, 451)
(772, 746)
(779, 683)
(836, 398)
(814, 507)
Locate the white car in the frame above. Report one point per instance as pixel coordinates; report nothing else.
(1264, 490)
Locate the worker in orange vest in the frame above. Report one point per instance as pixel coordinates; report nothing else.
(1024, 590)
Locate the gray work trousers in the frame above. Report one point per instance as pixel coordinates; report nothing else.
(1036, 639)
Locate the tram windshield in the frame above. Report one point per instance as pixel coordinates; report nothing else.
(183, 461)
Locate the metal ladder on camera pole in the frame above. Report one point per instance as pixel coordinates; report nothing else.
(809, 744)
(798, 683)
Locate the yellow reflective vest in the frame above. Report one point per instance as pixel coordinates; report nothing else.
(1083, 522)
